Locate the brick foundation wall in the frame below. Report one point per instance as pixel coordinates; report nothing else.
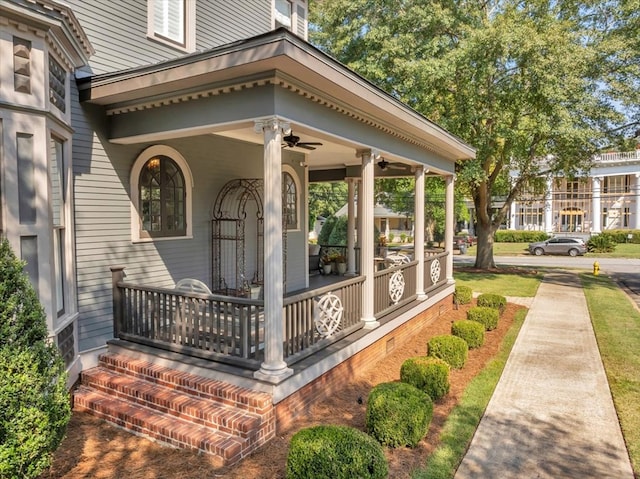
(300, 402)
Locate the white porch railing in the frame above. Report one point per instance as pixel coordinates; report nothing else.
(231, 329)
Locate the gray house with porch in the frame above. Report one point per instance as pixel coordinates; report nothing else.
(155, 159)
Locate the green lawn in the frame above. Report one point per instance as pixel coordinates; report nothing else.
(623, 250)
(504, 284)
(465, 417)
(616, 323)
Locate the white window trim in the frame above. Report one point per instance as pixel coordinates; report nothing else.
(69, 270)
(189, 22)
(134, 179)
(288, 169)
(294, 17)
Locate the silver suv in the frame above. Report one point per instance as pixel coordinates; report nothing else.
(560, 245)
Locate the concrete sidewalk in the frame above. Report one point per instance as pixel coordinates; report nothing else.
(551, 415)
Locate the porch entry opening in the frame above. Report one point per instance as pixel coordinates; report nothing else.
(237, 239)
(571, 220)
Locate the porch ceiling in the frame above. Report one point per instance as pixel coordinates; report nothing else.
(327, 93)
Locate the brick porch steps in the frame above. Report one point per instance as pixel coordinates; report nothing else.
(177, 408)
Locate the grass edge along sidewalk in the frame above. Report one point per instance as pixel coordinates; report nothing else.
(616, 323)
(465, 417)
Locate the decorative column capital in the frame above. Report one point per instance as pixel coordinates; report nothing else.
(273, 124)
(367, 152)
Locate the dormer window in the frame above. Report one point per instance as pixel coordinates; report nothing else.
(283, 14)
(172, 22)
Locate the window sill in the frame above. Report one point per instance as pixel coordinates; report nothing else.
(163, 238)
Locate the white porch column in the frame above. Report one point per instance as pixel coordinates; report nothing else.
(274, 369)
(418, 233)
(513, 217)
(596, 214)
(635, 188)
(365, 203)
(548, 207)
(449, 220)
(358, 185)
(351, 227)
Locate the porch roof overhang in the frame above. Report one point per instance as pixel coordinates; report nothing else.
(275, 74)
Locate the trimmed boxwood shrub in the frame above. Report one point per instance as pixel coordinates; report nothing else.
(35, 405)
(335, 452)
(428, 374)
(463, 294)
(398, 414)
(491, 300)
(486, 316)
(471, 331)
(451, 349)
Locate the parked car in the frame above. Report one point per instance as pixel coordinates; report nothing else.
(560, 245)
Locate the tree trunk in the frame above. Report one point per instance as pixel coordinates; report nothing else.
(484, 255)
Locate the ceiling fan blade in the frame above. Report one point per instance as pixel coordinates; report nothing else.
(306, 146)
(314, 143)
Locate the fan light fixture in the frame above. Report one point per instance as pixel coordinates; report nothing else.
(293, 141)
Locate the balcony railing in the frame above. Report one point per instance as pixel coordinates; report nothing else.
(617, 157)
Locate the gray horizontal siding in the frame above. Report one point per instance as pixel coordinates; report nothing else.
(219, 23)
(117, 29)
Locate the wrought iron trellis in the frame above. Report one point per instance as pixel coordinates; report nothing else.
(229, 243)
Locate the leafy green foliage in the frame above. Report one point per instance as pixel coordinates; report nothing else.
(335, 452)
(514, 79)
(602, 243)
(325, 199)
(338, 234)
(34, 401)
(484, 315)
(471, 331)
(463, 294)
(398, 414)
(519, 236)
(327, 228)
(452, 349)
(428, 374)
(622, 236)
(493, 300)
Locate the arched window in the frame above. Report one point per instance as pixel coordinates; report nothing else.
(289, 201)
(160, 190)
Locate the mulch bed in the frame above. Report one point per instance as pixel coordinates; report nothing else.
(94, 449)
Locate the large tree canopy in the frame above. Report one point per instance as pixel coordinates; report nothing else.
(523, 82)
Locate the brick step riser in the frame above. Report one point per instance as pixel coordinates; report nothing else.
(209, 389)
(233, 422)
(227, 451)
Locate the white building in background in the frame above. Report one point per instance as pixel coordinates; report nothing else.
(607, 199)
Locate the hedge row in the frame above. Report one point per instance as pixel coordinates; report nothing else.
(519, 236)
(398, 413)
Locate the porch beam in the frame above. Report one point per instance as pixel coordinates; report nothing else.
(418, 233)
(367, 243)
(449, 219)
(351, 227)
(274, 369)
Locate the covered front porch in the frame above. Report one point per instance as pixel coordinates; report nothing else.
(249, 126)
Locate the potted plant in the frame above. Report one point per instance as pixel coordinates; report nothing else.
(326, 264)
(341, 263)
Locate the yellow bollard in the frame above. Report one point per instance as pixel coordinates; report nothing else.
(596, 268)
